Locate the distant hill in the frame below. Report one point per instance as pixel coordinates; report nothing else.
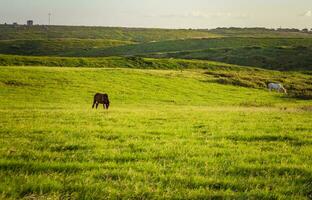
(270, 53)
(10, 32)
(56, 47)
(284, 49)
(200, 44)
(262, 32)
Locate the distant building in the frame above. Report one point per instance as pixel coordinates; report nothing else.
(15, 23)
(30, 22)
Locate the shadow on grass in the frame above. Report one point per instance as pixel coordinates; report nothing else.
(36, 167)
(270, 138)
(302, 177)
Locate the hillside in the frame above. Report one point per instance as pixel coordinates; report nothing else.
(271, 53)
(261, 32)
(10, 32)
(56, 47)
(202, 44)
(298, 84)
(271, 49)
(39, 32)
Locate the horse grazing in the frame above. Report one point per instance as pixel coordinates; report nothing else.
(100, 99)
(277, 86)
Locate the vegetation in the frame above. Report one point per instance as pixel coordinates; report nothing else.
(112, 62)
(56, 47)
(169, 134)
(277, 58)
(298, 84)
(201, 44)
(39, 32)
(270, 53)
(10, 32)
(179, 126)
(262, 32)
(265, 48)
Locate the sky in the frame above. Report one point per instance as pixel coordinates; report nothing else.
(161, 13)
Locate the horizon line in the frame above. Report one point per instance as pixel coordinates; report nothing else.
(167, 28)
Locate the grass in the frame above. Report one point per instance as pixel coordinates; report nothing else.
(276, 58)
(169, 134)
(261, 32)
(38, 32)
(270, 53)
(56, 47)
(202, 44)
(278, 50)
(298, 84)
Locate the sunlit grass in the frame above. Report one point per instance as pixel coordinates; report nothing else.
(168, 134)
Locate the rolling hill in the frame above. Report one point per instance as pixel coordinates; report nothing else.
(298, 83)
(39, 32)
(259, 47)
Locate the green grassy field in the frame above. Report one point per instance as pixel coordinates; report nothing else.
(56, 47)
(169, 134)
(270, 53)
(260, 32)
(259, 47)
(298, 84)
(180, 126)
(9, 32)
(39, 32)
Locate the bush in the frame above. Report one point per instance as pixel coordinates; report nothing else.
(302, 94)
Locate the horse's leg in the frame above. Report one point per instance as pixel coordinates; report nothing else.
(97, 104)
(93, 104)
(104, 105)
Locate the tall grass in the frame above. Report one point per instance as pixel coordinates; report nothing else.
(169, 134)
(8, 32)
(57, 47)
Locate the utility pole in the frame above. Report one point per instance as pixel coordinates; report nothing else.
(49, 18)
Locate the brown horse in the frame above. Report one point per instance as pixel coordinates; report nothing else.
(100, 99)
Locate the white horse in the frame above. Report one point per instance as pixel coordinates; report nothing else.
(277, 86)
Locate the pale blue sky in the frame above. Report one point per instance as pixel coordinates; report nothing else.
(162, 13)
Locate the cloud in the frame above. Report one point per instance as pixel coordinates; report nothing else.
(307, 14)
(203, 15)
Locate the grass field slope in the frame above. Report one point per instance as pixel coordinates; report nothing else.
(265, 48)
(271, 53)
(10, 32)
(261, 32)
(169, 134)
(56, 47)
(298, 84)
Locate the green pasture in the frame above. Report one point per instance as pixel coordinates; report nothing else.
(271, 53)
(38, 32)
(169, 134)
